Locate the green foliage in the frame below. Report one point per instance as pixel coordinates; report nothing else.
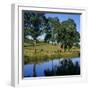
(68, 34)
(54, 26)
(64, 33)
(34, 23)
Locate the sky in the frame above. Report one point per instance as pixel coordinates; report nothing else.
(63, 17)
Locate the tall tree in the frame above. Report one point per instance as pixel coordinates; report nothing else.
(68, 34)
(54, 26)
(34, 23)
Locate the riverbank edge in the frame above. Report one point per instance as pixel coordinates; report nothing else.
(36, 58)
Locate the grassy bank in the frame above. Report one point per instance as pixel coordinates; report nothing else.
(44, 51)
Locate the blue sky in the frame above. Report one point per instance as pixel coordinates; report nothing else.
(63, 17)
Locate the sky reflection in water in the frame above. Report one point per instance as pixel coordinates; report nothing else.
(39, 68)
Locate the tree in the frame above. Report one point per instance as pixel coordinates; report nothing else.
(34, 24)
(68, 34)
(53, 27)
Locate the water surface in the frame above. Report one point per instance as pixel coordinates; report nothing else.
(69, 66)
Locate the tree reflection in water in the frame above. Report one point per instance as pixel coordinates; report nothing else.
(61, 68)
(65, 67)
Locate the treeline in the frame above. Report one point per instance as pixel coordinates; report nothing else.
(63, 33)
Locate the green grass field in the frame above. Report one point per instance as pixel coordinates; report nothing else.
(45, 51)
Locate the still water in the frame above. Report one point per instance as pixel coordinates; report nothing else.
(53, 67)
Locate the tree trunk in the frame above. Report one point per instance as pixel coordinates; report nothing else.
(34, 44)
(63, 48)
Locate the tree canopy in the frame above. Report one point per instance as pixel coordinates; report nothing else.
(65, 32)
(34, 23)
(68, 34)
(54, 25)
